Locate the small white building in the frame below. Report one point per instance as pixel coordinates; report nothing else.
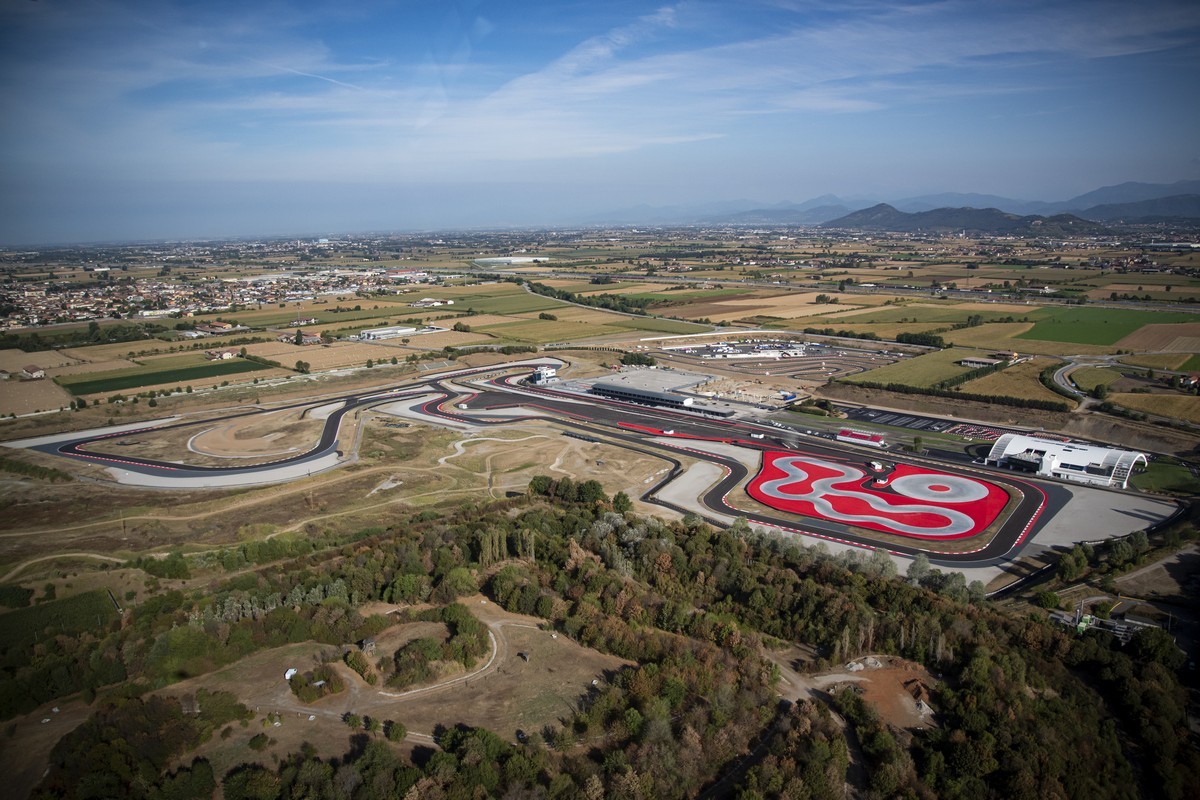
(543, 375)
(1084, 463)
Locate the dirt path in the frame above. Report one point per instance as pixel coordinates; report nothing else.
(17, 569)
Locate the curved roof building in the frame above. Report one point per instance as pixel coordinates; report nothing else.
(1085, 463)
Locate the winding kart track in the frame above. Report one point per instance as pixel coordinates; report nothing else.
(822, 487)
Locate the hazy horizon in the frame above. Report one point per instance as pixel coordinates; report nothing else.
(172, 120)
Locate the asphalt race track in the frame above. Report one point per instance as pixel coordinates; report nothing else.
(662, 434)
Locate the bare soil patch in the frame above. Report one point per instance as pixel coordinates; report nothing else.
(893, 689)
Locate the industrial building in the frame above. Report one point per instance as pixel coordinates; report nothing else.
(648, 397)
(385, 333)
(1084, 463)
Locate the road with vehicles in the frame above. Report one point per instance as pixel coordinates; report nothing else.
(496, 395)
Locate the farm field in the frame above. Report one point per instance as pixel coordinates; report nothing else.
(1169, 361)
(943, 313)
(16, 360)
(1021, 380)
(655, 325)
(27, 397)
(154, 375)
(521, 302)
(1183, 337)
(1185, 407)
(1008, 336)
(1094, 326)
(923, 371)
(333, 356)
(544, 331)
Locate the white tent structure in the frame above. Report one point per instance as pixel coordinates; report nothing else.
(1085, 463)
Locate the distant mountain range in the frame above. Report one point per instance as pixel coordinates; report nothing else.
(1127, 203)
(883, 217)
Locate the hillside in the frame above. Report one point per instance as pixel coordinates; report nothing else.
(1159, 209)
(884, 217)
(698, 627)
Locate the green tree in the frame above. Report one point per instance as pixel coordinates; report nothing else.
(919, 569)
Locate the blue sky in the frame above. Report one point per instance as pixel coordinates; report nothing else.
(174, 119)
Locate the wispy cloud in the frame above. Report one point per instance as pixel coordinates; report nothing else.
(269, 92)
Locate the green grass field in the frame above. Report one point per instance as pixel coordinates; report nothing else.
(923, 371)
(930, 313)
(545, 331)
(1088, 378)
(120, 380)
(89, 611)
(1100, 326)
(1166, 476)
(520, 303)
(658, 325)
(1191, 365)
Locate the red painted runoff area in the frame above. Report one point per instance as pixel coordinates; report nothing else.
(908, 501)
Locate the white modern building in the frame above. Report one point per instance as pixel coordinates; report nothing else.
(385, 333)
(1085, 463)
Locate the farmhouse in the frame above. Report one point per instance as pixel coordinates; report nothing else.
(212, 328)
(305, 338)
(220, 355)
(431, 302)
(1084, 463)
(32, 372)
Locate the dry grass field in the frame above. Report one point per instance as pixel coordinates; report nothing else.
(545, 331)
(322, 357)
(1185, 407)
(26, 397)
(16, 360)
(1021, 380)
(1176, 338)
(923, 371)
(1172, 361)
(1003, 336)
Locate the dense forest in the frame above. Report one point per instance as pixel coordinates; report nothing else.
(1024, 708)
